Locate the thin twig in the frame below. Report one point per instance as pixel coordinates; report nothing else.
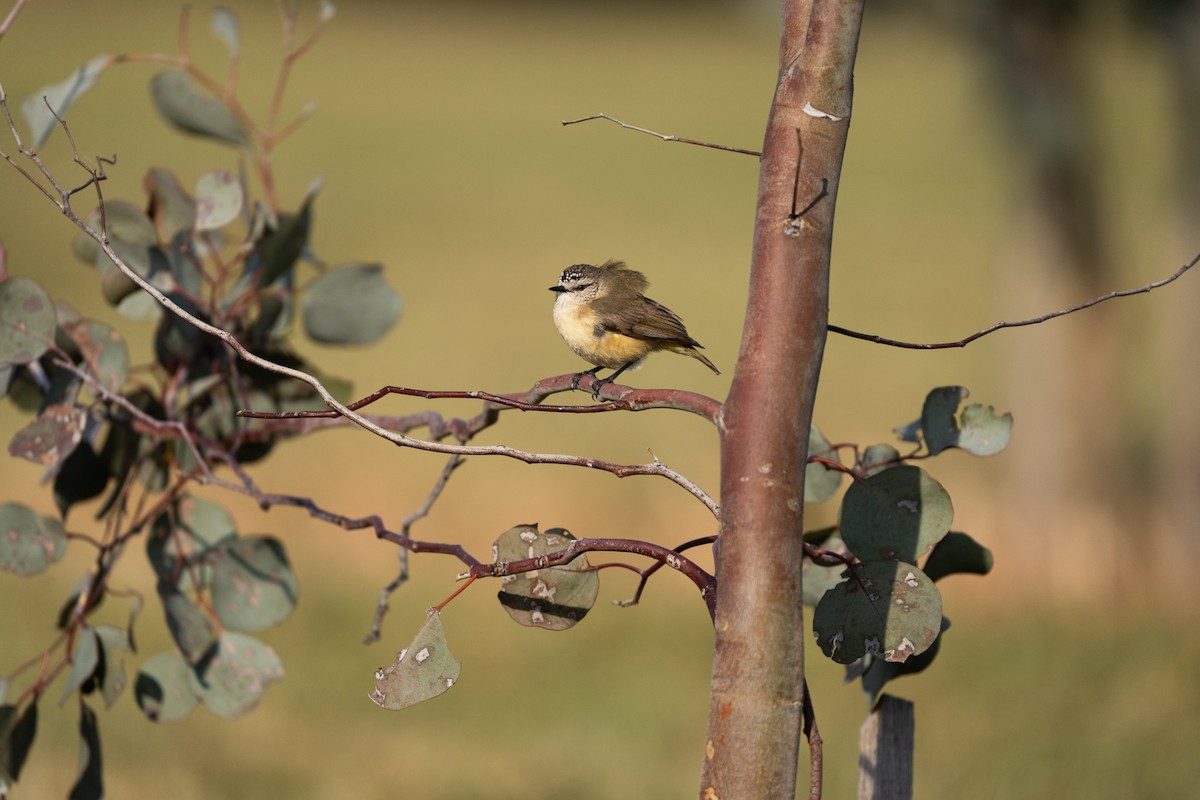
(12, 17)
(869, 337)
(663, 136)
(816, 758)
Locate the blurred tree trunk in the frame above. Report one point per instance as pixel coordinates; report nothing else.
(755, 716)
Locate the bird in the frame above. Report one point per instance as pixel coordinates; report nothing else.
(602, 313)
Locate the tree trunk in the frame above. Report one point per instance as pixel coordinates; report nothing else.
(758, 668)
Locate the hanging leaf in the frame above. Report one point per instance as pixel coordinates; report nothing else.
(350, 304)
(421, 671)
(163, 688)
(190, 626)
(60, 97)
(554, 598)
(17, 731)
(253, 586)
(114, 643)
(90, 783)
(84, 662)
(219, 200)
(191, 110)
(820, 482)
(896, 514)
(82, 476)
(51, 437)
(235, 680)
(886, 608)
(27, 321)
(28, 542)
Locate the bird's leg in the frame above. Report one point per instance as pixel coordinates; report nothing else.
(611, 378)
(579, 375)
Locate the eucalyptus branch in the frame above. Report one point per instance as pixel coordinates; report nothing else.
(1020, 323)
(664, 137)
(12, 17)
(707, 584)
(656, 566)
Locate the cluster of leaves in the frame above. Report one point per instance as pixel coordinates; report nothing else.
(876, 609)
(140, 437)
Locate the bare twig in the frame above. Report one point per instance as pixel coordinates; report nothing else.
(656, 566)
(12, 17)
(816, 758)
(663, 136)
(869, 337)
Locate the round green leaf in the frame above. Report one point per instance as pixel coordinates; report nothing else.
(253, 586)
(27, 321)
(28, 542)
(163, 688)
(350, 304)
(421, 671)
(171, 207)
(219, 200)
(191, 110)
(234, 681)
(84, 661)
(896, 514)
(554, 598)
(887, 609)
(51, 437)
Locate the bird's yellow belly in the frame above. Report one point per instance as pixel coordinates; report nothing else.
(604, 348)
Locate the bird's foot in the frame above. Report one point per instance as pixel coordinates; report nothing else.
(579, 376)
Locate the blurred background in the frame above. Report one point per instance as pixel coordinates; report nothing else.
(1005, 159)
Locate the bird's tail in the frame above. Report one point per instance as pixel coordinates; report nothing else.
(703, 359)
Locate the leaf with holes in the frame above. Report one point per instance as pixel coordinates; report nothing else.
(421, 671)
(553, 598)
(896, 514)
(888, 609)
(51, 437)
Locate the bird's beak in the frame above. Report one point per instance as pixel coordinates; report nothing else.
(557, 289)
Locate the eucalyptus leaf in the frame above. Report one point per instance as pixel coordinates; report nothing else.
(350, 304)
(421, 671)
(192, 110)
(59, 96)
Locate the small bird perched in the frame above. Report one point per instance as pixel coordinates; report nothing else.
(602, 314)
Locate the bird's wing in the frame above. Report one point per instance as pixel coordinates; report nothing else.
(650, 321)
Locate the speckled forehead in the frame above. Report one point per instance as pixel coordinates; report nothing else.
(572, 273)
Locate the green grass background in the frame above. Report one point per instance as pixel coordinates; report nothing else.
(437, 132)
